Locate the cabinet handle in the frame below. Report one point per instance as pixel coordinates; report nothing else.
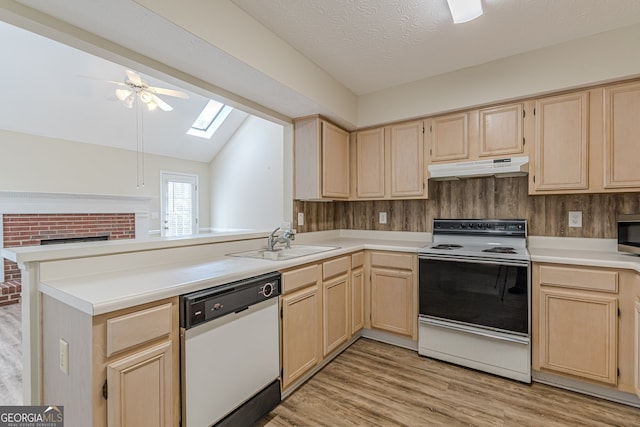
(105, 393)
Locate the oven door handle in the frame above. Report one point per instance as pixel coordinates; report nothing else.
(475, 260)
(475, 331)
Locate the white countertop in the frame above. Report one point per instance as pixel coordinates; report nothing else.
(103, 293)
(587, 252)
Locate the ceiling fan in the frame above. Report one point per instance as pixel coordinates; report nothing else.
(135, 85)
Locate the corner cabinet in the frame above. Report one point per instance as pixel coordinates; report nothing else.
(357, 292)
(393, 288)
(335, 303)
(322, 169)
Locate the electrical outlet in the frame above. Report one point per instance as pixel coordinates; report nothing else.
(300, 218)
(64, 356)
(383, 218)
(575, 219)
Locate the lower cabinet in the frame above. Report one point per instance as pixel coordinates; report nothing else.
(123, 368)
(636, 364)
(335, 303)
(582, 323)
(357, 292)
(301, 323)
(394, 293)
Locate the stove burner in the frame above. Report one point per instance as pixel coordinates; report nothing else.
(446, 246)
(500, 250)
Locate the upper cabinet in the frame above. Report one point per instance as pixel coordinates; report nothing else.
(370, 163)
(621, 142)
(321, 160)
(389, 162)
(449, 137)
(501, 130)
(562, 143)
(478, 134)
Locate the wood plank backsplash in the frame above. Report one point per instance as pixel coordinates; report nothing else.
(476, 198)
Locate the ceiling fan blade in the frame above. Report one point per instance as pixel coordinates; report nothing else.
(123, 94)
(169, 92)
(163, 105)
(134, 77)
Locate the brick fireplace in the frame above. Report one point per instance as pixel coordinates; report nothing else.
(32, 229)
(28, 218)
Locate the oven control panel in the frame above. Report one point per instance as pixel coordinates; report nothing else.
(504, 227)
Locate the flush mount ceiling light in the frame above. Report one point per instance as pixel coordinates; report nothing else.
(464, 10)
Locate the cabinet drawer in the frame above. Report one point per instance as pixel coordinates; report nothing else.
(579, 278)
(296, 279)
(136, 328)
(335, 267)
(384, 259)
(357, 260)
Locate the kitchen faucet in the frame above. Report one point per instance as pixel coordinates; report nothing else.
(285, 237)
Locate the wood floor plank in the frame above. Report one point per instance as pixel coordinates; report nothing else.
(377, 384)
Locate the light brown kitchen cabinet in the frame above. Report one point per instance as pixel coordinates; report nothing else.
(449, 137)
(501, 130)
(407, 160)
(321, 160)
(370, 163)
(357, 292)
(562, 143)
(393, 289)
(132, 376)
(335, 302)
(636, 364)
(301, 323)
(621, 142)
(575, 321)
(390, 162)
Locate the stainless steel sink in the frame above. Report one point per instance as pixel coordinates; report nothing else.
(282, 254)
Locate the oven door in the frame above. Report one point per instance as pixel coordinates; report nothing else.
(486, 293)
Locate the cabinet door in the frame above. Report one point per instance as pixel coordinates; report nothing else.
(636, 364)
(357, 299)
(622, 127)
(578, 334)
(501, 130)
(335, 300)
(449, 137)
(335, 161)
(407, 160)
(139, 388)
(392, 301)
(370, 163)
(562, 128)
(301, 334)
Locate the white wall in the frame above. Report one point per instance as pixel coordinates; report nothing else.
(600, 58)
(35, 163)
(247, 178)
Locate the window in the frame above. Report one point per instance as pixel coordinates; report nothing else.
(210, 119)
(179, 200)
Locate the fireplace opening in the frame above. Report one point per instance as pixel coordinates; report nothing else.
(74, 240)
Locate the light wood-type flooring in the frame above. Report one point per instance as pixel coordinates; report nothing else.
(376, 384)
(10, 355)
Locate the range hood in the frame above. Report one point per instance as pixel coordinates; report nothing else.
(511, 166)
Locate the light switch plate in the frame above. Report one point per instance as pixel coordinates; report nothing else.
(300, 218)
(575, 219)
(383, 218)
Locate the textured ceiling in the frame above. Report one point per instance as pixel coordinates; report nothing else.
(370, 45)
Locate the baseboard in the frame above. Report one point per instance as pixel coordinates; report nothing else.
(586, 388)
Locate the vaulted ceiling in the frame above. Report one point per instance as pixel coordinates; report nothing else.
(365, 45)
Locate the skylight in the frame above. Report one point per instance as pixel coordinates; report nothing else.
(210, 119)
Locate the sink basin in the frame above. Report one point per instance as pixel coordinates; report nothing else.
(282, 254)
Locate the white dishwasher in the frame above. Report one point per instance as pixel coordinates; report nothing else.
(230, 360)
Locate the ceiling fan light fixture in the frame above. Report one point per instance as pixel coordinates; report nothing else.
(464, 10)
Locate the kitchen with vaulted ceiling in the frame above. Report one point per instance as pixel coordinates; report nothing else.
(403, 215)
